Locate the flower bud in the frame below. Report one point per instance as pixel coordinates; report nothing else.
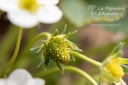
(115, 69)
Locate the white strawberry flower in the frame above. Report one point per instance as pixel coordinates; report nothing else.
(21, 77)
(28, 13)
(117, 83)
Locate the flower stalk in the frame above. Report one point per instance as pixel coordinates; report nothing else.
(68, 68)
(96, 63)
(17, 47)
(16, 51)
(30, 44)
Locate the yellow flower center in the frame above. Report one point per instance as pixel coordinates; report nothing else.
(29, 5)
(115, 69)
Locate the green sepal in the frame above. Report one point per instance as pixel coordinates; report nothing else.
(69, 34)
(125, 68)
(64, 30)
(55, 33)
(60, 67)
(116, 53)
(123, 61)
(72, 58)
(74, 47)
(118, 48)
(35, 48)
(42, 61)
(99, 81)
(40, 49)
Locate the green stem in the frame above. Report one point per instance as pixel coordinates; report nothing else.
(29, 45)
(68, 68)
(86, 58)
(7, 44)
(14, 56)
(17, 47)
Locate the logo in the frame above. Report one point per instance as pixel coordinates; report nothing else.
(109, 12)
(92, 8)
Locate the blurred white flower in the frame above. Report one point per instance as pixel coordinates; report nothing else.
(28, 13)
(118, 83)
(21, 77)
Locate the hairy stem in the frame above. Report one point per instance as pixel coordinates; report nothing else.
(68, 68)
(96, 63)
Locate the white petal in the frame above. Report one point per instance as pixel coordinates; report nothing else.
(23, 19)
(48, 2)
(118, 83)
(8, 5)
(49, 14)
(11, 83)
(36, 81)
(19, 77)
(2, 82)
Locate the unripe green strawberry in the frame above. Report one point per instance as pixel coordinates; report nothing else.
(58, 49)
